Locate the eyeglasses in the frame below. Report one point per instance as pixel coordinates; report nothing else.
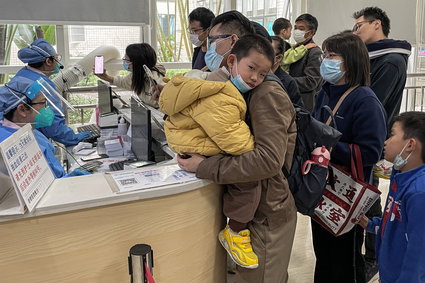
(39, 103)
(194, 31)
(330, 56)
(56, 58)
(211, 38)
(358, 25)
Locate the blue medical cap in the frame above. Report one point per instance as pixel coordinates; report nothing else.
(37, 52)
(14, 94)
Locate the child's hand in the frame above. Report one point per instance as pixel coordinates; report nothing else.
(363, 221)
(310, 45)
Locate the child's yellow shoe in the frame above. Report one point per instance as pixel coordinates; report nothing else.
(238, 246)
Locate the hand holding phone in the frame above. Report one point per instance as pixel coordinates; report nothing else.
(98, 65)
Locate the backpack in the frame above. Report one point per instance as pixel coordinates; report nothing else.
(306, 189)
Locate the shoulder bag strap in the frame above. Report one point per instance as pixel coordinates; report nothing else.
(340, 102)
(356, 162)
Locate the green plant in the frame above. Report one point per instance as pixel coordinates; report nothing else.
(22, 36)
(90, 80)
(26, 34)
(172, 72)
(7, 32)
(74, 117)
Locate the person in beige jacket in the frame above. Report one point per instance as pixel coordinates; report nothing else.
(137, 55)
(273, 125)
(208, 118)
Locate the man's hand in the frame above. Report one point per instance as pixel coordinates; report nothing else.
(190, 164)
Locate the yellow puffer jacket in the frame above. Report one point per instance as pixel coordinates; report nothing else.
(205, 117)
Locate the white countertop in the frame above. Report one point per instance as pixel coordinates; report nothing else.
(68, 194)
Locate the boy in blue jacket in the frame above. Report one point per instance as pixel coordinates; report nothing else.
(400, 240)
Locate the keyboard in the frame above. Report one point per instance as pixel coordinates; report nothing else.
(91, 166)
(117, 166)
(92, 128)
(120, 164)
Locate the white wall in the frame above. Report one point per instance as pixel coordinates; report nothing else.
(336, 15)
(75, 11)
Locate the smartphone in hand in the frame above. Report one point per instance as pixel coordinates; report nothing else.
(98, 65)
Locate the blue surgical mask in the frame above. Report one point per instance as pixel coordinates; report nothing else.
(239, 83)
(125, 65)
(57, 68)
(400, 162)
(212, 58)
(44, 118)
(330, 70)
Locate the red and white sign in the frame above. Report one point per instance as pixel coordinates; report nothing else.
(26, 166)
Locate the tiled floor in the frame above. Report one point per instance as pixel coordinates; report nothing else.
(301, 266)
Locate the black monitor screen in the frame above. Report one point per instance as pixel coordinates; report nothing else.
(141, 131)
(104, 97)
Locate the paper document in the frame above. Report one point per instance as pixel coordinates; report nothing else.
(27, 166)
(145, 178)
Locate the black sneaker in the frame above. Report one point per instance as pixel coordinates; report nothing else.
(371, 269)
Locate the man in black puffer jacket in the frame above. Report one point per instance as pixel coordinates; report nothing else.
(388, 65)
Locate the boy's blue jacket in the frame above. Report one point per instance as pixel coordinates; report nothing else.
(400, 241)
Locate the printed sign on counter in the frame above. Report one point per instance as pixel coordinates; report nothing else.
(27, 166)
(139, 179)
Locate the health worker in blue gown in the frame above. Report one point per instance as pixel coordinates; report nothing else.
(25, 101)
(42, 62)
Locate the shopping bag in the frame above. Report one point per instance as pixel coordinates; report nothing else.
(346, 196)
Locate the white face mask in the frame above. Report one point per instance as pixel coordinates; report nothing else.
(299, 36)
(195, 40)
(400, 162)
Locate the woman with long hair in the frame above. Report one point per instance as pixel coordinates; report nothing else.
(137, 55)
(361, 120)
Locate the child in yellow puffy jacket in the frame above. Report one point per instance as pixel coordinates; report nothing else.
(207, 117)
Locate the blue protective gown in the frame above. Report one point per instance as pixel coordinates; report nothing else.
(45, 146)
(58, 131)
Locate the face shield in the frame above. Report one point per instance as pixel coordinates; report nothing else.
(44, 116)
(40, 86)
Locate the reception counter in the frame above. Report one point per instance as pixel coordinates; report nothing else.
(81, 231)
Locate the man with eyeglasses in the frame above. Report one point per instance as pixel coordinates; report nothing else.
(42, 62)
(199, 22)
(388, 65)
(272, 120)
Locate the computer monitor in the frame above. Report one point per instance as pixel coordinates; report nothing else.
(104, 93)
(141, 131)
